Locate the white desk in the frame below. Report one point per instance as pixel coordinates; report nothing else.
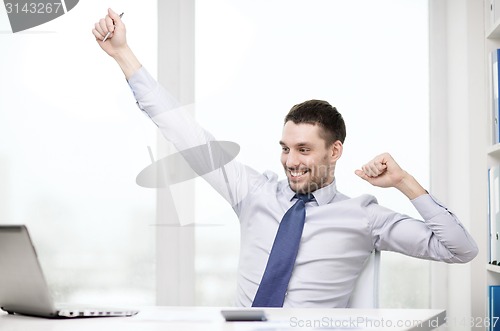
(209, 318)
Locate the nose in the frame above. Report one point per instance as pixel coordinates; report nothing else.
(292, 160)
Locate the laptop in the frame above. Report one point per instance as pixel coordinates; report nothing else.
(23, 288)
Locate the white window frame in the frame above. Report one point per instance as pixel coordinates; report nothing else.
(175, 243)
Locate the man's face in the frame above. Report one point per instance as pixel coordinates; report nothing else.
(309, 164)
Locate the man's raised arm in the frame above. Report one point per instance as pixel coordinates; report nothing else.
(440, 236)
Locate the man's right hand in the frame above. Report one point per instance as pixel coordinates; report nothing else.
(117, 39)
(116, 44)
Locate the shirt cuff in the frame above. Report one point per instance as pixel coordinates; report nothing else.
(151, 97)
(428, 206)
(141, 83)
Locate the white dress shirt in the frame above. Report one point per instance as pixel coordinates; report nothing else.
(339, 232)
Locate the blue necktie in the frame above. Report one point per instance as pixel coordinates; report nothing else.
(274, 283)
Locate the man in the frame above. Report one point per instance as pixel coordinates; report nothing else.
(303, 243)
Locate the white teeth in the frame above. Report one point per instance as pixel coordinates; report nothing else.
(296, 174)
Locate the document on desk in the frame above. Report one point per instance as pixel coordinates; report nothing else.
(276, 320)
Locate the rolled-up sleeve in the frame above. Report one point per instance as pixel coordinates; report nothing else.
(151, 97)
(446, 227)
(438, 236)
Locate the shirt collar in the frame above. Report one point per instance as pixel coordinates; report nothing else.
(322, 196)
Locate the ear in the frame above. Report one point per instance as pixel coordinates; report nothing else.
(336, 150)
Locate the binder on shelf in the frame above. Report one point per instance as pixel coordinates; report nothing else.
(494, 213)
(491, 256)
(494, 307)
(494, 56)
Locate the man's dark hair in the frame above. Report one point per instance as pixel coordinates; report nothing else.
(319, 112)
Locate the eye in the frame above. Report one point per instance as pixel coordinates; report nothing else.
(304, 150)
(285, 149)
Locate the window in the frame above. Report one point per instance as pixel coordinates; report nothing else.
(73, 142)
(256, 59)
(74, 139)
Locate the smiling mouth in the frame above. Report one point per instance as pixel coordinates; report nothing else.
(296, 174)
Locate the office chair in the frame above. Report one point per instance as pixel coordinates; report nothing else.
(365, 293)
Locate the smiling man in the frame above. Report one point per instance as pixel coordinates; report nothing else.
(303, 243)
(312, 140)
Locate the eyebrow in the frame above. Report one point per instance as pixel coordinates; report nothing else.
(297, 145)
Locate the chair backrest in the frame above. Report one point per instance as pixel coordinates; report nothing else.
(365, 294)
